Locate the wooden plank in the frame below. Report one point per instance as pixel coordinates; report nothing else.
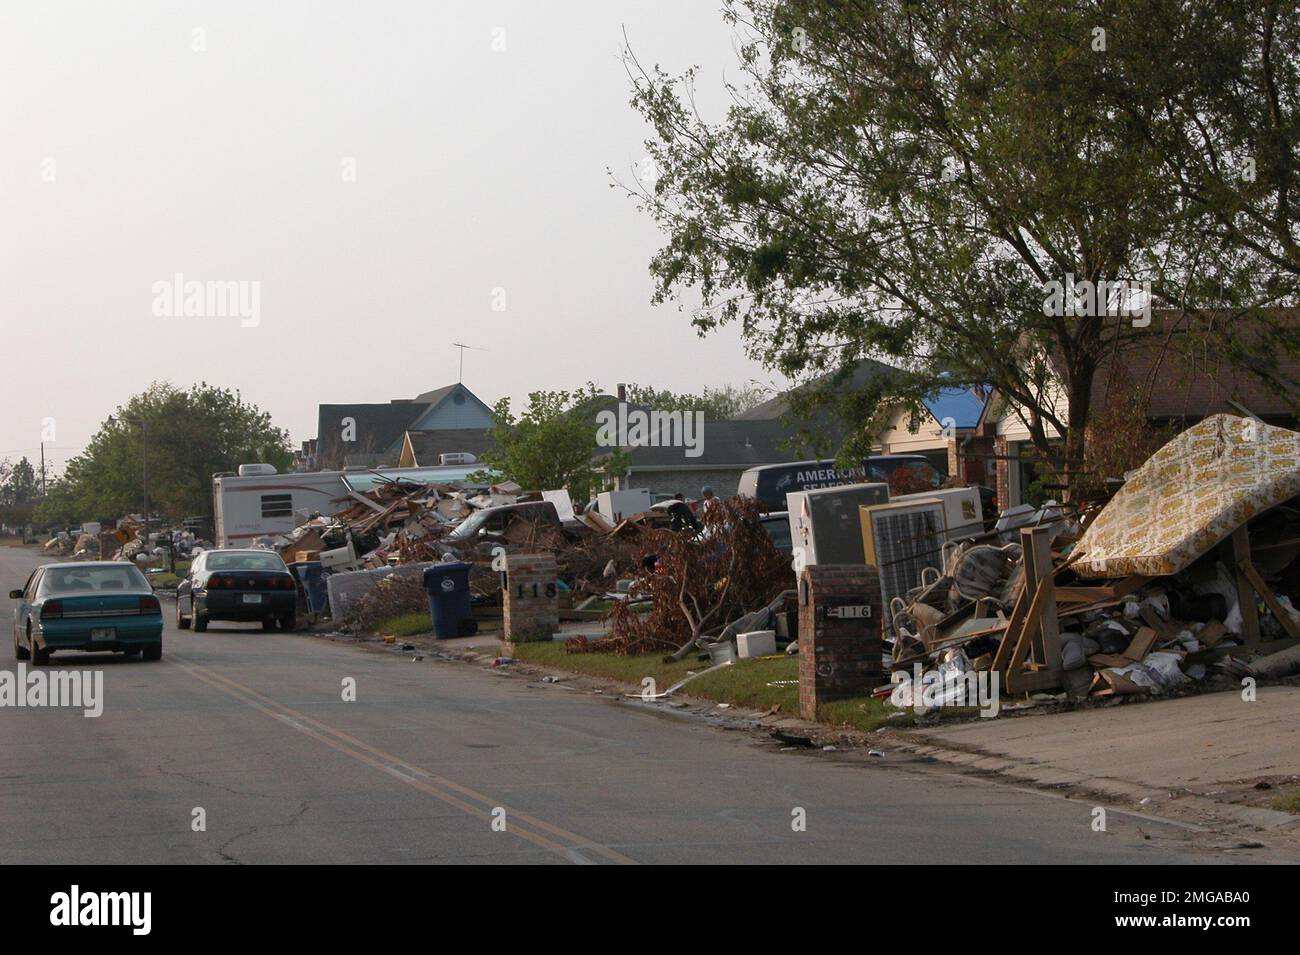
(1218, 653)
(1033, 620)
(1081, 593)
(1102, 661)
(1141, 644)
(1270, 600)
(1245, 593)
(1153, 620)
(1033, 682)
(1038, 548)
(1014, 624)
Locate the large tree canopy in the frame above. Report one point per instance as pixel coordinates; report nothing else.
(191, 435)
(904, 181)
(718, 404)
(553, 443)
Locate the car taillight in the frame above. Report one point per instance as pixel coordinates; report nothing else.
(214, 583)
(150, 605)
(52, 608)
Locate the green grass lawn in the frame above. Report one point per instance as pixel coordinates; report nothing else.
(407, 625)
(744, 683)
(1288, 802)
(18, 542)
(166, 581)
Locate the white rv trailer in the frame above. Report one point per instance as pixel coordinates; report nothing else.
(258, 502)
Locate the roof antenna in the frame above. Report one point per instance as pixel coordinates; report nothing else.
(460, 374)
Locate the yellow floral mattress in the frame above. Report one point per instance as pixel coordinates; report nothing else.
(1191, 494)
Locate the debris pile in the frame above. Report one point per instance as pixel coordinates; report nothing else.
(399, 523)
(698, 586)
(1187, 574)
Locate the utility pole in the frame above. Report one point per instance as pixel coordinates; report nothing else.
(42, 469)
(144, 467)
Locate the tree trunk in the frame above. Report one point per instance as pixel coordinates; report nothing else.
(1079, 392)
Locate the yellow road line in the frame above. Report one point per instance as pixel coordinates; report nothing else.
(571, 844)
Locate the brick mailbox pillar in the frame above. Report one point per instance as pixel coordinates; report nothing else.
(531, 599)
(839, 634)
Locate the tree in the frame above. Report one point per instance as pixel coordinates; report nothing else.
(905, 181)
(1227, 130)
(191, 435)
(20, 486)
(553, 443)
(718, 404)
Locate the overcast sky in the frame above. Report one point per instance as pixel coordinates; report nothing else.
(130, 156)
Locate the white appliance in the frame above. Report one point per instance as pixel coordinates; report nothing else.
(824, 523)
(615, 506)
(901, 539)
(963, 512)
(756, 643)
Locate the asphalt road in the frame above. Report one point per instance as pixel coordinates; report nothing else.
(432, 758)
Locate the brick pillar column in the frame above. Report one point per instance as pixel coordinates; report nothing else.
(530, 599)
(954, 464)
(839, 634)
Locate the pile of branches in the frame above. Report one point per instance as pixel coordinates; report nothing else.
(393, 596)
(586, 564)
(698, 583)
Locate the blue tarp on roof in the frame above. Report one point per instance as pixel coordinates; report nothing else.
(961, 404)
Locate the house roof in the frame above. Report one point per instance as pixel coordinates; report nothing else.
(379, 428)
(727, 444)
(1189, 377)
(438, 395)
(780, 406)
(427, 445)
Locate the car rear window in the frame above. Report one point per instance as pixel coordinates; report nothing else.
(65, 579)
(216, 561)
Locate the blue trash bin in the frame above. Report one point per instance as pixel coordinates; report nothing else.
(311, 578)
(450, 600)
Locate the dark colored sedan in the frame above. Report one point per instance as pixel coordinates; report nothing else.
(239, 585)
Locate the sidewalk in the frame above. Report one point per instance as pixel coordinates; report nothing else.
(1205, 753)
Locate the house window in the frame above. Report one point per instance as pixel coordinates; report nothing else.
(277, 505)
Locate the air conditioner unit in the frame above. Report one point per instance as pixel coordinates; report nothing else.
(901, 539)
(824, 521)
(256, 470)
(963, 511)
(456, 457)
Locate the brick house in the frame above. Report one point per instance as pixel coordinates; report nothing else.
(1182, 377)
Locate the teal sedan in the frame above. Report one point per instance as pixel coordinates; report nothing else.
(97, 605)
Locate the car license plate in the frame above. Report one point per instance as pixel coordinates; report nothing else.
(252, 598)
(106, 634)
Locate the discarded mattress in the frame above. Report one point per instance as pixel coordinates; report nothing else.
(1190, 495)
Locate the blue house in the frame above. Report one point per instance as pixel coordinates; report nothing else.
(373, 434)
